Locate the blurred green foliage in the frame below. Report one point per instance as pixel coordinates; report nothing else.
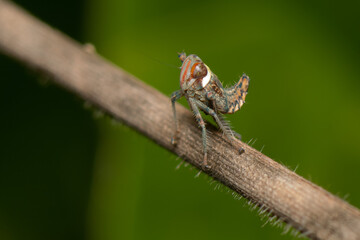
(67, 173)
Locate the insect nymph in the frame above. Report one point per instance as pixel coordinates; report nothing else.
(203, 90)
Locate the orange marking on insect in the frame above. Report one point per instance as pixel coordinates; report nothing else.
(185, 72)
(193, 69)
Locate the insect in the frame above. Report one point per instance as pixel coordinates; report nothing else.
(203, 90)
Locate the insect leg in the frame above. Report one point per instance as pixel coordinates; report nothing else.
(201, 123)
(230, 134)
(174, 97)
(228, 128)
(218, 118)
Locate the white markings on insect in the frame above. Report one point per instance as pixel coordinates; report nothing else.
(191, 81)
(207, 78)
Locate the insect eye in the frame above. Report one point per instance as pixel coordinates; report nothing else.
(199, 71)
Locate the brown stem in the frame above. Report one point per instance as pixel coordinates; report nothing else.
(300, 203)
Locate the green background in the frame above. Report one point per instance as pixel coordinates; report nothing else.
(68, 172)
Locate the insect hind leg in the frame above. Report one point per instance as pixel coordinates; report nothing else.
(230, 134)
(223, 125)
(227, 129)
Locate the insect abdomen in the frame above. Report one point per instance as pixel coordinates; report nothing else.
(237, 94)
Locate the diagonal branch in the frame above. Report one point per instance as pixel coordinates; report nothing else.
(303, 205)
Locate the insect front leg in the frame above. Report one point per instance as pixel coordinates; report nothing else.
(174, 97)
(201, 123)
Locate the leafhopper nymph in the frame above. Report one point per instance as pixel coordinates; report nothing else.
(203, 91)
